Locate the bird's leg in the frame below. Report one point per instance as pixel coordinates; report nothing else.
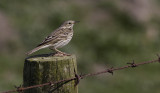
(59, 52)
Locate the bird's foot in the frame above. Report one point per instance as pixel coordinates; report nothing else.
(60, 54)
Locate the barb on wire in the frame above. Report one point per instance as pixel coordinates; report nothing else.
(158, 57)
(18, 88)
(132, 64)
(110, 70)
(78, 77)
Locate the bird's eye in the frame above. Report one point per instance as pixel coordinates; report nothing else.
(69, 23)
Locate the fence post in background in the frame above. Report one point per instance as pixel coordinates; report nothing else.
(45, 68)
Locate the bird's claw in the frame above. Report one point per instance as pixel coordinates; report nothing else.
(60, 54)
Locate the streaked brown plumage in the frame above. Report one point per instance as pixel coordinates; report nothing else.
(57, 39)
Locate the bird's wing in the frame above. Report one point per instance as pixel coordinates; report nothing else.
(53, 37)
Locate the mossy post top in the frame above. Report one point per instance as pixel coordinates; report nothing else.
(48, 57)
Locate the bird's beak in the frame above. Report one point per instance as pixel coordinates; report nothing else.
(76, 22)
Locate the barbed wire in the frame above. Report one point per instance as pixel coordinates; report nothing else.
(77, 77)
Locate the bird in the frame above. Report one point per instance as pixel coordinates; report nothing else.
(58, 38)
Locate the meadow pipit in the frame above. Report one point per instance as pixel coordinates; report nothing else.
(57, 39)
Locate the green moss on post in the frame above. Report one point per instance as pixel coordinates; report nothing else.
(45, 68)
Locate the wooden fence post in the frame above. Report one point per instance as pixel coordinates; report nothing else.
(45, 68)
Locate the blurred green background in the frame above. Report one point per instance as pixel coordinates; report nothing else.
(111, 33)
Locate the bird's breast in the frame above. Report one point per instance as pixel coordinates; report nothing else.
(64, 42)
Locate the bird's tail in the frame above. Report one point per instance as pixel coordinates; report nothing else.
(34, 50)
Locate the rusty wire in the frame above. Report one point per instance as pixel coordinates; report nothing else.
(79, 77)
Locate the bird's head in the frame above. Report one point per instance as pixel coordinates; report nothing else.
(69, 24)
